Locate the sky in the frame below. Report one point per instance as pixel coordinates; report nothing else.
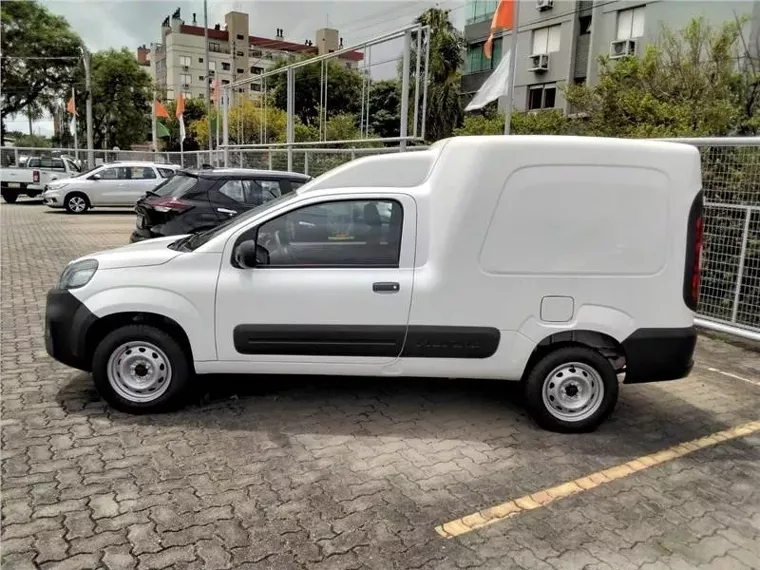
(104, 24)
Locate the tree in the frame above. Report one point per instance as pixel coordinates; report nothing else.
(121, 96)
(550, 122)
(195, 112)
(31, 36)
(385, 108)
(444, 111)
(688, 84)
(344, 88)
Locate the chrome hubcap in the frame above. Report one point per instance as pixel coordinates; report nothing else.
(139, 371)
(77, 204)
(573, 392)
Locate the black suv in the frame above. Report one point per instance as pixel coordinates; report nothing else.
(196, 200)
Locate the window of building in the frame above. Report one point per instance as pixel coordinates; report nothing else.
(480, 10)
(212, 66)
(348, 65)
(240, 37)
(358, 233)
(200, 60)
(214, 46)
(257, 70)
(546, 40)
(185, 78)
(240, 54)
(630, 23)
(585, 25)
(255, 53)
(541, 97)
(240, 71)
(255, 87)
(225, 81)
(476, 59)
(184, 60)
(226, 66)
(200, 78)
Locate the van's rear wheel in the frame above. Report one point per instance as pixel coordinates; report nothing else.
(571, 390)
(139, 369)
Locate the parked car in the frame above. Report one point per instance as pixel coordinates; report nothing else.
(565, 262)
(112, 184)
(31, 177)
(197, 200)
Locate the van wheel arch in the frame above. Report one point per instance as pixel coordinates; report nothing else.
(110, 323)
(602, 343)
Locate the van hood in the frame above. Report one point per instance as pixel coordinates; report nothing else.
(140, 254)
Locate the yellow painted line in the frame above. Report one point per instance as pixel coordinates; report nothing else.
(542, 498)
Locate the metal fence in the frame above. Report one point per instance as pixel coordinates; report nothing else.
(730, 279)
(730, 276)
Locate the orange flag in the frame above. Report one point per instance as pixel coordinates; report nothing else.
(503, 19)
(180, 105)
(161, 110)
(70, 109)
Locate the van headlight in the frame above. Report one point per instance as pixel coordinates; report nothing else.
(78, 274)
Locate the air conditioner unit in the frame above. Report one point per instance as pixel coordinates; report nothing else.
(542, 5)
(186, 86)
(539, 62)
(622, 48)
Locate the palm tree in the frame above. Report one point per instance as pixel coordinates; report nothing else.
(444, 111)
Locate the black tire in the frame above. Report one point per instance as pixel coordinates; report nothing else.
(539, 375)
(9, 196)
(179, 380)
(69, 204)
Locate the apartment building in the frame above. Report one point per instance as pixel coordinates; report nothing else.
(177, 63)
(559, 41)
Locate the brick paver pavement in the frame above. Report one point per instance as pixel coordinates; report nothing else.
(347, 473)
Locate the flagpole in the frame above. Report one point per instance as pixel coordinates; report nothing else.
(154, 124)
(74, 118)
(512, 68)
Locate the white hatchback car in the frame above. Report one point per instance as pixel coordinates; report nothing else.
(112, 184)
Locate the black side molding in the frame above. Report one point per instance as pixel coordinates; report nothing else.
(67, 321)
(655, 355)
(367, 340)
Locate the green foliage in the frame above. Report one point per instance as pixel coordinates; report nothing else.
(30, 32)
(121, 96)
(444, 112)
(30, 141)
(532, 123)
(343, 90)
(686, 85)
(385, 108)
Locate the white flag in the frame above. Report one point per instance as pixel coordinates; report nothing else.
(73, 125)
(182, 127)
(493, 87)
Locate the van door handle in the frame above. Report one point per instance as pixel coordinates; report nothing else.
(386, 287)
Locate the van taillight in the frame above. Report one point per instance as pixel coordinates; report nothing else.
(36, 176)
(170, 205)
(694, 247)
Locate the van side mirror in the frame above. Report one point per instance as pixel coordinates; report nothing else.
(248, 254)
(95, 177)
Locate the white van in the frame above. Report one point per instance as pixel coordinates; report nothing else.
(560, 262)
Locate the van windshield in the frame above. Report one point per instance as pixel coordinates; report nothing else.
(197, 240)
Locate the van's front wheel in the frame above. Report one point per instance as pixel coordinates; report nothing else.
(571, 390)
(140, 369)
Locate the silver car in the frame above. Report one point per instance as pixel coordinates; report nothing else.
(112, 184)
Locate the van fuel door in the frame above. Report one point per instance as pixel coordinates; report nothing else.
(557, 309)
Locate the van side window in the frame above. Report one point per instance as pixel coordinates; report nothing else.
(141, 173)
(113, 173)
(346, 233)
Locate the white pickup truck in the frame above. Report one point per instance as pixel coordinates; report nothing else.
(31, 178)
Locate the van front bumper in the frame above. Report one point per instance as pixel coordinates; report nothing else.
(67, 321)
(656, 355)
